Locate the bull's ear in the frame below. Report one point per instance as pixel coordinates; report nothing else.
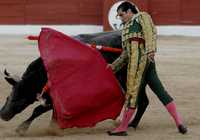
(11, 81)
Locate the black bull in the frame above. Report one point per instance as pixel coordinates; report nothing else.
(24, 91)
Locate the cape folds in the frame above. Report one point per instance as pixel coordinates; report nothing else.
(84, 92)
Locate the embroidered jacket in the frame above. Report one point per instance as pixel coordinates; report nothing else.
(140, 26)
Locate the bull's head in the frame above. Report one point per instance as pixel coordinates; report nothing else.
(17, 101)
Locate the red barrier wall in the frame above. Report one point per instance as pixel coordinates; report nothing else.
(164, 12)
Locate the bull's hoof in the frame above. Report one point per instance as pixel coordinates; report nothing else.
(182, 129)
(21, 129)
(133, 125)
(20, 132)
(112, 133)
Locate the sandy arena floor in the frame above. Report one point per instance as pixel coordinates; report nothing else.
(178, 64)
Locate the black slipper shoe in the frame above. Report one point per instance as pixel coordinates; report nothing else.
(182, 129)
(122, 133)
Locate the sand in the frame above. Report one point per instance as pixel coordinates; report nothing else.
(178, 65)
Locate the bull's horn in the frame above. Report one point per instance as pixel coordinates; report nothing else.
(10, 80)
(6, 73)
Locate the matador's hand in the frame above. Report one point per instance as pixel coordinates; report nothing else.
(151, 56)
(109, 66)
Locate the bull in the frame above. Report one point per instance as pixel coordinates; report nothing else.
(24, 91)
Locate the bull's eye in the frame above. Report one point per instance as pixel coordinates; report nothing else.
(14, 99)
(7, 98)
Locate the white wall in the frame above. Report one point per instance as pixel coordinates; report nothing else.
(35, 29)
(78, 29)
(179, 30)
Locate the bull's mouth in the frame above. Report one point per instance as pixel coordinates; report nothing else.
(7, 113)
(7, 116)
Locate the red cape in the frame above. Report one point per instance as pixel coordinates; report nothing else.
(83, 90)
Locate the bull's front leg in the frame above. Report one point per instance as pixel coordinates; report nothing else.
(23, 127)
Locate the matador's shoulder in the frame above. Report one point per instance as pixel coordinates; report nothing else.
(144, 15)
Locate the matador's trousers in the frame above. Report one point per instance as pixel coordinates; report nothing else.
(140, 73)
